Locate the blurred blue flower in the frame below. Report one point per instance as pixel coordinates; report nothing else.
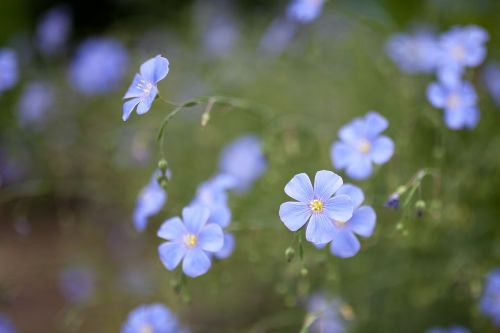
(77, 283)
(98, 66)
(8, 69)
(326, 313)
(191, 240)
(316, 205)
(491, 77)
(6, 325)
(458, 101)
(151, 318)
(227, 248)
(452, 329)
(393, 201)
(53, 30)
(143, 90)
(490, 301)
(277, 36)
(414, 53)
(361, 144)
(304, 11)
(149, 202)
(244, 161)
(212, 195)
(344, 243)
(36, 99)
(220, 36)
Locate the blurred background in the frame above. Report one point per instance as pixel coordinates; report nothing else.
(71, 169)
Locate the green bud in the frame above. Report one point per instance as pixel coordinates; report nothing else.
(164, 183)
(163, 165)
(420, 207)
(176, 285)
(289, 254)
(401, 190)
(205, 117)
(159, 178)
(304, 272)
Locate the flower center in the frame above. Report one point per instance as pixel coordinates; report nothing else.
(146, 328)
(364, 146)
(453, 101)
(458, 52)
(146, 87)
(316, 206)
(190, 240)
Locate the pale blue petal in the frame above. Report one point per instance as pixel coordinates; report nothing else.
(472, 118)
(382, 150)
(300, 188)
(171, 254)
(134, 90)
(320, 229)
(355, 193)
(228, 247)
(339, 208)
(363, 221)
(195, 217)
(220, 214)
(128, 107)
(352, 132)
(375, 124)
(325, 184)
(172, 229)
(294, 214)
(360, 168)
(342, 154)
(155, 69)
(147, 101)
(196, 263)
(437, 95)
(455, 118)
(211, 238)
(344, 244)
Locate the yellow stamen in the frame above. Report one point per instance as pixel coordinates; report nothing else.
(190, 240)
(147, 328)
(364, 146)
(453, 101)
(316, 206)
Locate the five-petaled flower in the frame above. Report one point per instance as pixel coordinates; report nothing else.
(191, 240)
(361, 144)
(316, 205)
(143, 90)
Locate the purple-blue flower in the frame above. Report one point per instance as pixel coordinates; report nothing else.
(414, 53)
(151, 318)
(491, 77)
(326, 313)
(490, 300)
(6, 325)
(227, 248)
(361, 145)
(458, 101)
(143, 90)
(212, 195)
(77, 283)
(243, 161)
(36, 100)
(53, 30)
(191, 240)
(149, 202)
(304, 11)
(8, 69)
(362, 223)
(98, 66)
(316, 205)
(452, 329)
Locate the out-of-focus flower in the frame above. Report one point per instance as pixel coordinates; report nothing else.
(37, 98)
(53, 30)
(8, 69)
(304, 11)
(227, 248)
(344, 243)
(6, 325)
(316, 205)
(220, 37)
(151, 318)
(491, 77)
(244, 161)
(326, 314)
(393, 201)
(191, 240)
(452, 329)
(143, 90)
(490, 301)
(211, 195)
(149, 202)
(77, 283)
(98, 66)
(414, 53)
(458, 101)
(277, 36)
(361, 144)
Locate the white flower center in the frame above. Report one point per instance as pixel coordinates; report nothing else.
(146, 328)
(146, 87)
(316, 206)
(458, 52)
(453, 101)
(364, 146)
(190, 240)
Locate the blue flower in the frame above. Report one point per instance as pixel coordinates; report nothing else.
(151, 318)
(37, 98)
(6, 325)
(8, 69)
(458, 101)
(414, 53)
(393, 201)
(277, 36)
(212, 195)
(490, 301)
(304, 11)
(452, 329)
(143, 90)
(344, 243)
(77, 283)
(491, 77)
(98, 66)
(149, 202)
(227, 248)
(244, 161)
(316, 205)
(326, 313)
(361, 144)
(53, 30)
(191, 240)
